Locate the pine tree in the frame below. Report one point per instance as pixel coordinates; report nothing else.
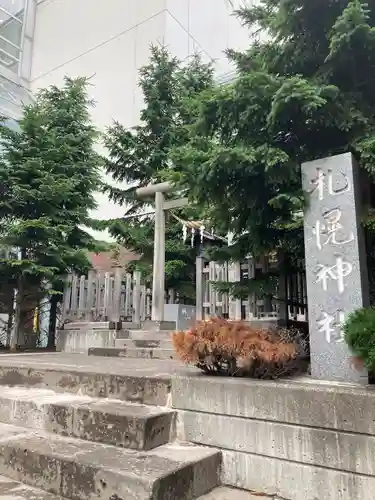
(141, 155)
(48, 177)
(304, 90)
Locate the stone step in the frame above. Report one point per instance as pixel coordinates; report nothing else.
(223, 493)
(106, 421)
(79, 470)
(90, 376)
(143, 344)
(14, 490)
(126, 325)
(90, 325)
(159, 326)
(101, 325)
(123, 334)
(135, 353)
(162, 335)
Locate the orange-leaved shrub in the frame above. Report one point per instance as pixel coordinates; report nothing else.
(235, 348)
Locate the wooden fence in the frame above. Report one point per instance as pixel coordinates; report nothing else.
(290, 305)
(115, 296)
(111, 296)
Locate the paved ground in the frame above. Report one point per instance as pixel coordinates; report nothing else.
(163, 368)
(14, 490)
(83, 363)
(232, 494)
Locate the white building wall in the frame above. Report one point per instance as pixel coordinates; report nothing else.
(109, 41)
(207, 26)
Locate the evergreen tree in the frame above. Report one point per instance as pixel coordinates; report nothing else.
(141, 155)
(304, 90)
(48, 177)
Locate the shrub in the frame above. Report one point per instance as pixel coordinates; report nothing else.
(359, 334)
(234, 348)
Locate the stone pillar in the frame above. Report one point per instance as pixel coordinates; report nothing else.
(212, 292)
(232, 300)
(98, 301)
(158, 279)
(236, 276)
(117, 294)
(106, 303)
(336, 271)
(282, 294)
(128, 297)
(199, 288)
(67, 296)
(90, 295)
(137, 297)
(143, 303)
(74, 302)
(171, 296)
(82, 297)
(225, 297)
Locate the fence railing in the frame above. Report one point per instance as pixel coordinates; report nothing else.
(115, 295)
(292, 305)
(111, 296)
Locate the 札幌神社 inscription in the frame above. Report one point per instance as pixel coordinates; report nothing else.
(336, 270)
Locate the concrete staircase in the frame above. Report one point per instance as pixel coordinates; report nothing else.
(84, 434)
(145, 343)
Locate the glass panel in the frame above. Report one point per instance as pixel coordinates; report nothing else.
(14, 7)
(10, 37)
(8, 61)
(10, 49)
(11, 29)
(9, 109)
(12, 96)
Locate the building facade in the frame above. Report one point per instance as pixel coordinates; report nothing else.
(41, 41)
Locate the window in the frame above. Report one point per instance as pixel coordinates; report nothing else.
(11, 21)
(13, 7)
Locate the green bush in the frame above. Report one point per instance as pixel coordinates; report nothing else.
(359, 332)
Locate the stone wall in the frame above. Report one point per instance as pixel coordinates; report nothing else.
(294, 439)
(79, 337)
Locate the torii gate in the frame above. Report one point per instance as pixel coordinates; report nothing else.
(158, 274)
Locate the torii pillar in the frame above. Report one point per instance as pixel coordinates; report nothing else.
(158, 274)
